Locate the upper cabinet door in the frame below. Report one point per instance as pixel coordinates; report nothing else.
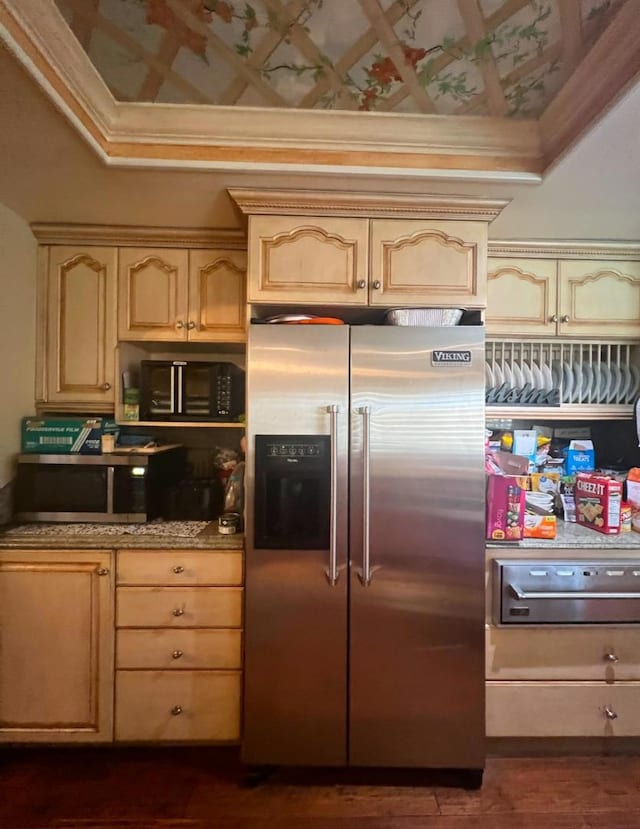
(423, 262)
(308, 259)
(81, 330)
(521, 297)
(217, 289)
(599, 299)
(153, 294)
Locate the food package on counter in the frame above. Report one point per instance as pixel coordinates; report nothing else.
(546, 482)
(504, 463)
(568, 498)
(525, 443)
(65, 435)
(633, 496)
(539, 526)
(579, 457)
(598, 501)
(505, 507)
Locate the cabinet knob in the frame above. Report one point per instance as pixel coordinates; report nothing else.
(609, 713)
(376, 285)
(565, 318)
(553, 318)
(610, 657)
(177, 709)
(106, 386)
(179, 324)
(178, 569)
(179, 611)
(362, 284)
(103, 571)
(191, 325)
(177, 654)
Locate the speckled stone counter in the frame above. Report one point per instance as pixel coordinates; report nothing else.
(167, 535)
(575, 537)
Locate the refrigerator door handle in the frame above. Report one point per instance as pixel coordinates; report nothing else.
(365, 573)
(332, 573)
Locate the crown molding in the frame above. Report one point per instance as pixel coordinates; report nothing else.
(570, 249)
(138, 236)
(217, 137)
(367, 205)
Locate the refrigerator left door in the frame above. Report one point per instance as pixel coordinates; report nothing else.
(295, 687)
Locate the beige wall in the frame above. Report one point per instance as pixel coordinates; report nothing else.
(17, 333)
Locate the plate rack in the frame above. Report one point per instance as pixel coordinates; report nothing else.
(569, 379)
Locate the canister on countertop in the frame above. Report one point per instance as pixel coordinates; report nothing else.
(229, 523)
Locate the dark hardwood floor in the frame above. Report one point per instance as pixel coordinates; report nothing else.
(204, 788)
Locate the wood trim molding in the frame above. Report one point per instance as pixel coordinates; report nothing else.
(610, 65)
(136, 236)
(565, 250)
(366, 205)
(219, 137)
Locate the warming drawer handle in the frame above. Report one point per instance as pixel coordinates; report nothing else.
(365, 574)
(332, 573)
(571, 594)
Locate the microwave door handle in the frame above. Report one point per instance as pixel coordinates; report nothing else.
(180, 390)
(365, 574)
(172, 391)
(332, 573)
(111, 474)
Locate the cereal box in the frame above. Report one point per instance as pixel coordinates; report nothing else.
(505, 507)
(598, 500)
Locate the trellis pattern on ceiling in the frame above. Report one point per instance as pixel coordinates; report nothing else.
(448, 57)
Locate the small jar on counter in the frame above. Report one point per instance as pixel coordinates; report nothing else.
(229, 523)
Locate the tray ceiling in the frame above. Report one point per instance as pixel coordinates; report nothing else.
(449, 57)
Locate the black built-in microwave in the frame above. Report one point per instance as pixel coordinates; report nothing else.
(190, 390)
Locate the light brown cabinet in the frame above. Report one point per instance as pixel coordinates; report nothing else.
(357, 261)
(57, 646)
(179, 634)
(167, 295)
(582, 298)
(77, 351)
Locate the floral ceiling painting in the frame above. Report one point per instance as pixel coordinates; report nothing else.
(475, 57)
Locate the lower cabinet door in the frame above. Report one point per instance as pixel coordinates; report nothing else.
(563, 709)
(178, 706)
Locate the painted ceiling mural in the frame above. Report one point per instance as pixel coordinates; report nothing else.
(476, 57)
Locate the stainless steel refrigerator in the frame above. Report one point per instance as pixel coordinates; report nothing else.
(364, 606)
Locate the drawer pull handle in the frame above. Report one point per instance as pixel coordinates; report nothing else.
(553, 318)
(178, 569)
(376, 284)
(611, 657)
(179, 611)
(177, 654)
(102, 571)
(565, 318)
(610, 713)
(177, 709)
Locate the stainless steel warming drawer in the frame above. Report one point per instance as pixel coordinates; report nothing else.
(571, 592)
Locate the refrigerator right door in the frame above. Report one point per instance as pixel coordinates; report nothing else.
(416, 655)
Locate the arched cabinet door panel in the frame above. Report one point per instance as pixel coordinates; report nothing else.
(521, 297)
(599, 298)
(217, 296)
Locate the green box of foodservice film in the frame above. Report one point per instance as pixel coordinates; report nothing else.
(65, 435)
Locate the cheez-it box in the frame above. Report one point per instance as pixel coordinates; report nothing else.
(598, 500)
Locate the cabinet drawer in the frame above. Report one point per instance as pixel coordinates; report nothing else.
(179, 649)
(187, 607)
(179, 567)
(563, 653)
(562, 709)
(178, 705)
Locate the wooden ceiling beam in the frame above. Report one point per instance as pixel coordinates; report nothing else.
(572, 48)
(308, 48)
(611, 64)
(228, 54)
(474, 22)
(264, 49)
(391, 43)
(132, 46)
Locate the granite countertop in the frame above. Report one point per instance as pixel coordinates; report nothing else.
(575, 536)
(173, 535)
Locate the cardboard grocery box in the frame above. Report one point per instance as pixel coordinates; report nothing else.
(539, 526)
(505, 507)
(65, 435)
(598, 500)
(579, 457)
